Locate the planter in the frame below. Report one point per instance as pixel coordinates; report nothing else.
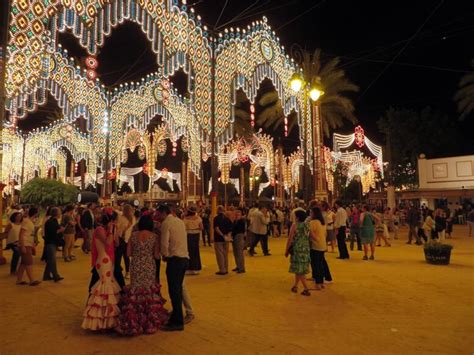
(440, 255)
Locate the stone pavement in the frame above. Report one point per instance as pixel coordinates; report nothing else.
(395, 304)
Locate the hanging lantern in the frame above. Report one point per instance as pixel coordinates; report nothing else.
(252, 115)
(175, 145)
(286, 126)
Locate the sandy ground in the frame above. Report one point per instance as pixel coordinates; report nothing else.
(396, 304)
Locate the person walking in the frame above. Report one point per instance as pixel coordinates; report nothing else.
(238, 236)
(297, 247)
(12, 233)
(470, 222)
(260, 222)
(340, 225)
(367, 232)
(354, 226)
(440, 224)
(380, 229)
(413, 220)
(194, 229)
(52, 230)
(87, 224)
(250, 229)
(174, 251)
(429, 226)
(222, 237)
(329, 217)
(27, 246)
(319, 265)
(69, 232)
(206, 224)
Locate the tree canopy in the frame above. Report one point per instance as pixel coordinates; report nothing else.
(465, 94)
(408, 134)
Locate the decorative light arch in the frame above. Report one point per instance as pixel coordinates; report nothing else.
(244, 58)
(34, 26)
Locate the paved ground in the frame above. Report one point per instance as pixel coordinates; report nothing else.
(397, 304)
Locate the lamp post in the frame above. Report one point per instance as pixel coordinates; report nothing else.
(312, 91)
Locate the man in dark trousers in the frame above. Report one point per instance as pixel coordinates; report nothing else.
(174, 251)
(413, 220)
(51, 242)
(340, 225)
(87, 223)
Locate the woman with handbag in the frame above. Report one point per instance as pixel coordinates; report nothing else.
(27, 248)
(297, 247)
(12, 234)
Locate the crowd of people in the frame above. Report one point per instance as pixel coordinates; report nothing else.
(128, 299)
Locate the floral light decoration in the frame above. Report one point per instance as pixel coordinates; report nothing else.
(357, 163)
(359, 136)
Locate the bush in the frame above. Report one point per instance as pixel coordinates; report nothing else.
(48, 192)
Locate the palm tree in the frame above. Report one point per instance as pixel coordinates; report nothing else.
(335, 108)
(465, 94)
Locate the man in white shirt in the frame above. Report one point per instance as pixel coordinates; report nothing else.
(174, 251)
(340, 226)
(250, 217)
(259, 228)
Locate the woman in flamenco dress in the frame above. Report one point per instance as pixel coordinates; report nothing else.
(141, 305)
(102, 306)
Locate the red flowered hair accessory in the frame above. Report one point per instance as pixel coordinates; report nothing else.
(109, 211)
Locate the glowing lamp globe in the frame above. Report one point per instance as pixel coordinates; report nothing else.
(296, 82)
(315, 94)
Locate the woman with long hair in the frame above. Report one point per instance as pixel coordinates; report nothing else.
(102, 306)
(129, 214)
(194, 228)
(141, 305)
(319, 265)
(297, 247)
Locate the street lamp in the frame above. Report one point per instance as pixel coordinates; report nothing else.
(313, 89)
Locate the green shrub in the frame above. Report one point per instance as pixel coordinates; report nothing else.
(48, 192)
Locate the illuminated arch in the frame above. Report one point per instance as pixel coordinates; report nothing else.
(244, 59)
(75, 95)
(171, 30)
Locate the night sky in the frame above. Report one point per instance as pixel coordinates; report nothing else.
(367, 35)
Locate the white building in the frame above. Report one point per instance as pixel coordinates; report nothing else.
(445, 178)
